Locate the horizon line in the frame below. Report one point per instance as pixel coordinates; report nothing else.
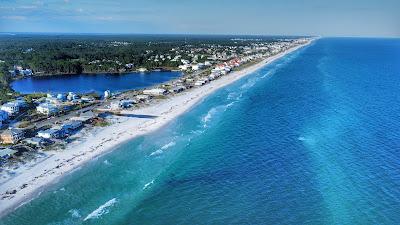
(195, 34)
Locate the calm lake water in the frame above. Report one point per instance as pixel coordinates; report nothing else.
(85, 83)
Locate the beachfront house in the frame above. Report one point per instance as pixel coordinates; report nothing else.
(126, 103)
(11, 136)
(122, 104)
(7, 153)
(155, 92)
(50, 133)
(47, 109)
(143, 97)
(177, 89)
(201, 82)
(70, 126)
(36, 141)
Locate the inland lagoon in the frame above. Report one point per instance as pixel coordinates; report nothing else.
(98, 83)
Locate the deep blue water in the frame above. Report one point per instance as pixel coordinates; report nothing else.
(85, 83)
(311, 139)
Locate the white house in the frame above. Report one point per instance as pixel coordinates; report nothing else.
(53, 100)
(178, 89)
(71, 125)
(7, 153)
(184, 61)
(129, 65)
(107, 94)
(184, 67)
(195, 67)
(49, 133)
(72, 96)
(155, 92)
(200, 82)
(11, 108)
(47, 109)
(27, 72)
(142, 97)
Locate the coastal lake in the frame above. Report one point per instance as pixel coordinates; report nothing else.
(86, 83)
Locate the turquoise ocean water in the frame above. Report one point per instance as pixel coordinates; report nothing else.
(313, 138)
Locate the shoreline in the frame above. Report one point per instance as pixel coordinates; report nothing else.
(32, 181)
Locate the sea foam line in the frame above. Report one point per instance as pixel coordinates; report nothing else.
(164, 147)
(148, 184)
(170, 144)
(103, 209)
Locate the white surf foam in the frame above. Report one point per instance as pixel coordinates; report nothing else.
(249, 84)
(170, 144)
(164, 147)
(75, 213)
(158, 152)
(148, 184)
(103, 209)
(208, 116)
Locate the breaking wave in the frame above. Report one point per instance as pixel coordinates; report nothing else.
(147, 185)
(158, 152)
(164, 147)
(170, 144)
(103, 209)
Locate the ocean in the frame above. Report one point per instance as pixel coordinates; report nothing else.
(312, 138)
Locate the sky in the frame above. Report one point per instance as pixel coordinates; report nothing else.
(376, 18)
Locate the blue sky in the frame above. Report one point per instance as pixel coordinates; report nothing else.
(269, 17)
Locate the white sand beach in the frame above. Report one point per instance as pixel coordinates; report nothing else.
(32, 180)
